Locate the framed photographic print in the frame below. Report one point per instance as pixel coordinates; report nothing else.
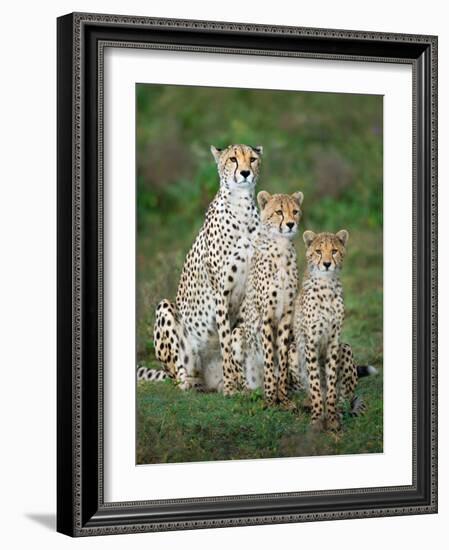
(247, 292)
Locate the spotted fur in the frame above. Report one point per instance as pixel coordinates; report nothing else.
(151, 375)
(260, 340)
(317, 358)
(192, 337)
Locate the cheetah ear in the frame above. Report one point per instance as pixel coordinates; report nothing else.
(216, 152)
(308, 238)
(262, 198)
(298, 197)
(343, 236)
(258, 149)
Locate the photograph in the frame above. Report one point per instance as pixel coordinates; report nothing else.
(259, 274)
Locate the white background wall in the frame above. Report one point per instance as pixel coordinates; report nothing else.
(28, 283)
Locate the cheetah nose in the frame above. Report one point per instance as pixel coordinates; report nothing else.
(290, 225)
(327, 265)
(245, 173)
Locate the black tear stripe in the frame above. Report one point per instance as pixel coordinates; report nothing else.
(282, 217)
(236, 165)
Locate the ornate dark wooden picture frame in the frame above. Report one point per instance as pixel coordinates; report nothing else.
(81, 507)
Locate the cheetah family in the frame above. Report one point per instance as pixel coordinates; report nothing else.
(239, 322)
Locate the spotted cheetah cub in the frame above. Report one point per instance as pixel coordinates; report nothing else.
(259, 343)
(318, 320)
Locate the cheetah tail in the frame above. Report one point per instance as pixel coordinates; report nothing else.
(366, 370)
(358, 407)
(151, 375)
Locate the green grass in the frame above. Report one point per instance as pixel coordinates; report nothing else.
(327, 145)
(175, 426)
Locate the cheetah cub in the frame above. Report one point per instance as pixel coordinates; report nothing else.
(318, 320)
(259, 343)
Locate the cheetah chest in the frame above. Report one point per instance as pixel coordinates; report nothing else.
(327, 317)
(238, 270)
(283, 286)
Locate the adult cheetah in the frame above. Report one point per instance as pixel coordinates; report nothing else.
(192, 337)
(260, 339)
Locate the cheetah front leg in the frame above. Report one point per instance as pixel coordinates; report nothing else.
(269, 368)
(282, 345)
(172, 347)
(331, 366)
(313, 374)
(232, 377)
(295, 383)
(238, 353)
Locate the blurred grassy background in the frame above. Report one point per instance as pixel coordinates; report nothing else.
(327, 145)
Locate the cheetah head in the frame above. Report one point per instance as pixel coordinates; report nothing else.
(280, 214)
(238, 165)
(325, 251)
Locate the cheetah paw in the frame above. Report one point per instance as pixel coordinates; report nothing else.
(269, 403)
(333, 424)
(306, 404)
(230, 391)
(287, 405)
(317, 425)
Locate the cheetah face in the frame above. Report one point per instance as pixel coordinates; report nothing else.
(325, 251)
(238, 165)
(280, 214)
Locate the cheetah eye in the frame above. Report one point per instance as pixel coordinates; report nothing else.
(334, 251)
(295, 212)
(253, 159)
(318, 251)
(233, 159)
(279, 212)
